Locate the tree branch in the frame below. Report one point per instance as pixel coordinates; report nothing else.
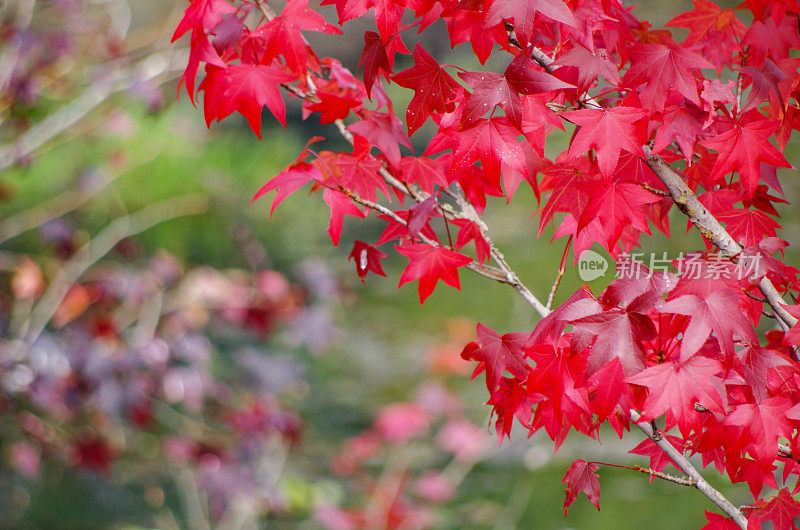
(686, 466)
(666, 476)
(711, 229)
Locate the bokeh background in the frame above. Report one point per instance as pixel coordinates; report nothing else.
(173, 358)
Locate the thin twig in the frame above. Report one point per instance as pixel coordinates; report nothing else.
(666, 476)
(686, 466)
(484, 270)
(562, 266)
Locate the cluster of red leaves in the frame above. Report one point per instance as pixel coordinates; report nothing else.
(680, 348)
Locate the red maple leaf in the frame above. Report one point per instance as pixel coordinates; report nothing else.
(781, 511)
(367, 258)
(719, 522)
(494, 142)
(609, 131)
(664, 70)
(423, 171)
(340, 205)
(608, 390)
(489, 89)
(708, 18)
(613, 334)
(658, 458)
(434, 89)
(617, 204)
(429, 264)
(245, 88)
(523, 12)
(470, 231)
(674, 388)
(497, 353)
(681, 123)
(377, 57)
(761, 424)
(288, 181)
(718, 312)
(383, 130)
(282, 36)
(742, 148)
(749, 227)
(582, 476)
(201, 15)
(334, 103)
(590, 65)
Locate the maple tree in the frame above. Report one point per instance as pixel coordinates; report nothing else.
(706, 349)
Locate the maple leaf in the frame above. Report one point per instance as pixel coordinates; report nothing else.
(749, 227)
(761, 424)
(340, 205)
(608, 390)
(719, 522)
(609, 131)
(383, 130)
(357, 172)
(245, 88)
(582, 476)
(524, 76)
(771, 38)
(282, 36)
(781, 511)
(511, 400)
(377, 57)
(434, 89)
(618, 204)
(489, 90)
(333, 104)
(763, 84)
(756, 362)
(658, 458)
(429, 264)
(470, 231)
(367, 258)
(590, 65)
(288, 181)
(681, 123)
(613, 334)
(743, 148)
(420, 214)
(200, 50)
(423, 171)
(707, 18)
(718, 312)
(674, 389)
(523, 12)
(570, 193)
(793, 335)
(664, 70)
(494, 142)
(497, 353)
(201, 15)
